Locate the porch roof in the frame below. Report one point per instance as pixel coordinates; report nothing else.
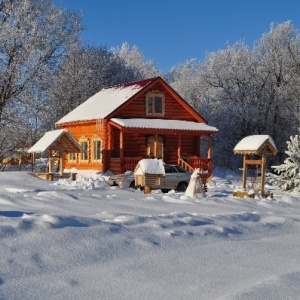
(164, 124)
(60, 139)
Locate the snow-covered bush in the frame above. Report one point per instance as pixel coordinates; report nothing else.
(287, 175)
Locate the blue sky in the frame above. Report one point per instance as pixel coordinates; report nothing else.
(170, 32)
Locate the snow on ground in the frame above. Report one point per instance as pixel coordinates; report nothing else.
(85, 240)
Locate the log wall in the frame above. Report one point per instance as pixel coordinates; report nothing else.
(173, 109)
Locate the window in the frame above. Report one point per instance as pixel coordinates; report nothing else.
(170, 169)
(97, 148)
(155, 103)
(84, 149)
(72, 156)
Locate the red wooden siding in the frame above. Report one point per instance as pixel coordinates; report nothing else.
(135, 145)
(173, 109)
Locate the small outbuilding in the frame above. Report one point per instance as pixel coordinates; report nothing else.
(148, 173)
(255, 149)
(57, 142)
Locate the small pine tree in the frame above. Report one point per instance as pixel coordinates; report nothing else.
(287, 175)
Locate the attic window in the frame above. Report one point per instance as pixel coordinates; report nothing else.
(155, 103)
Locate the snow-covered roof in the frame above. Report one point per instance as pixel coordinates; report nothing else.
(50, 140)
(163, 124)
(104, 102)
(149, 166)
(256, 144)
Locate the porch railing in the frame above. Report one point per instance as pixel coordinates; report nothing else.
(191, 163)
(129, 163)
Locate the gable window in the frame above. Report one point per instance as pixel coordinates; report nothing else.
(97, 148)
(84, 155)
(155, 103)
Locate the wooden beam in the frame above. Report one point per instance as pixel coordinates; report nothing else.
(155, 145)
(209, 150)
(50, 161)
(121, 144)
(263, 174)
(244, 171)
(253, 162)
(179, 146)
(61, 163)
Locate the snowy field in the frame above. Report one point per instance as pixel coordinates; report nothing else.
(85, 240)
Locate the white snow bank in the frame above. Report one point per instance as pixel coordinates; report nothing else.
(59, 242)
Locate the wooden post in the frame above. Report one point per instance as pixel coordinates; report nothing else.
(61, 163)
(244, 171)
(209, 149)
(32, 161)
(155, 145)
(147, 189)
(179, 146)
(121, 144)
(50, 161)
(263, 171)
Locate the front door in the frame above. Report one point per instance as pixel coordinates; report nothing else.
(156, 146)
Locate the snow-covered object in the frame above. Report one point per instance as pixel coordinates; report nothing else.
(85, 240)
(163, 124)
(287, 175)
(150, 166)
(192, 187)
(255, 144)
(50, 138)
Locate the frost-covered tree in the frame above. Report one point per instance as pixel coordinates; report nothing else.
(83, 73)
(134, 59)
(184, 78)
(287, 175)
(244, 92)
(277, 55)
(34, 36)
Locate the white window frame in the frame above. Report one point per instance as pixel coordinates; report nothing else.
(96, 139)
(84, 155)
(72, 157)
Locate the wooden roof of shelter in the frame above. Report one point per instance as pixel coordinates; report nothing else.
(60, 139)
(256, 144)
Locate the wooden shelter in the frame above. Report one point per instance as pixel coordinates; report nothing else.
(57, 142)
(255, 149)
(120, 125)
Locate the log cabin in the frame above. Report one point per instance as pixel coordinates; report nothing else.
(123, 124)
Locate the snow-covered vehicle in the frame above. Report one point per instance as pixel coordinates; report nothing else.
(175, 177)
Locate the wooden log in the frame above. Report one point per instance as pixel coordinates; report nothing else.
(147, 190)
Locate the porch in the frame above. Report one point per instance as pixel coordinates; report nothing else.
(189, 163)
(188, 144)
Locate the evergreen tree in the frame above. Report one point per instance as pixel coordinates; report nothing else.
(287, 175)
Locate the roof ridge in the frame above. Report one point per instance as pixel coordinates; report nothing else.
(142, 82)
